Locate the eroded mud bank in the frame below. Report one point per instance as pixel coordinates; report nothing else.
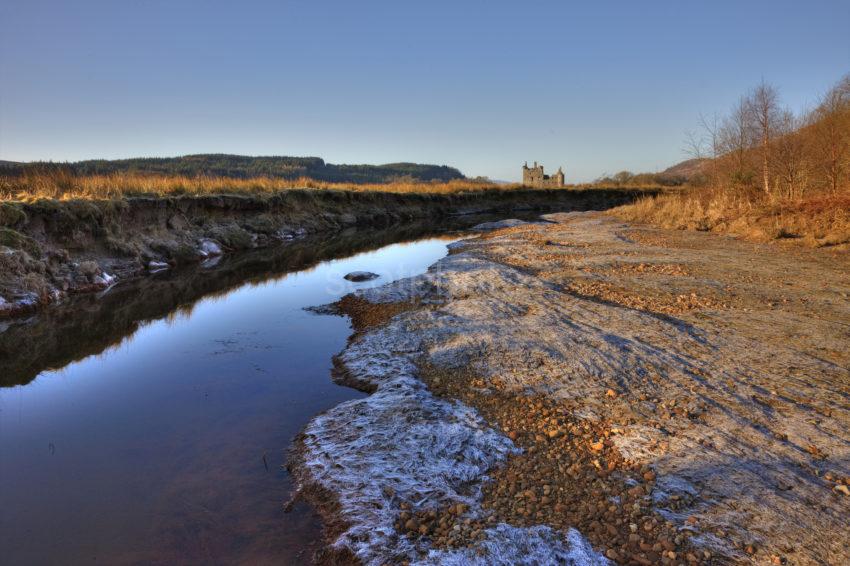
(49, 249)
(658, 396)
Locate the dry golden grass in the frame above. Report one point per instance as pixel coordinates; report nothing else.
(818, 220)
(64, 186)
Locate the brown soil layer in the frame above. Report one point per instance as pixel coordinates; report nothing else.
(365, 315)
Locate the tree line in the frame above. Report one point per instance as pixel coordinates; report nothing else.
(245, 167)
(765, 148)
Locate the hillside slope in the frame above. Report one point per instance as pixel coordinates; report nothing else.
(243, 167)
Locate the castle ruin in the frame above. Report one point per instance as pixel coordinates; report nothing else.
(534, 177)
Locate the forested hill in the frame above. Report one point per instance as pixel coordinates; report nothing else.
(243, 167)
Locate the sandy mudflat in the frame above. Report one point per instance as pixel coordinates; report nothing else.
(584, 388)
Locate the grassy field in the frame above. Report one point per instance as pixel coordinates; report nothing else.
(62, 185)
(65, 186)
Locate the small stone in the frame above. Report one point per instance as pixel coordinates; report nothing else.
(358, 276)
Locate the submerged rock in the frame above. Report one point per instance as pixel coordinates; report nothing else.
(358, 276)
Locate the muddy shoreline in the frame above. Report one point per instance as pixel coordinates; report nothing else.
(52, 249)
(588, 389)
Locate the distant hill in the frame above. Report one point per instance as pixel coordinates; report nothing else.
(244, 167)
(686, 169)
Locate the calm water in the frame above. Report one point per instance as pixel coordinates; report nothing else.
(160, 431)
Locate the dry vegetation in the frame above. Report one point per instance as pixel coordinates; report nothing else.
(816, 220)
(766, 173)
(64, 185)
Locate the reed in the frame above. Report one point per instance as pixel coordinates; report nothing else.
(64, 185)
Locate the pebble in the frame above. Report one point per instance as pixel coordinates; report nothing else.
(569, 475)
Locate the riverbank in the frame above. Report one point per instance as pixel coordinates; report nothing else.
(815, 221)
(585, 388)
(50, 249)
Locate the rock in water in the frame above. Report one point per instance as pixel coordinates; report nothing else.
(208, 247)
(358, 276)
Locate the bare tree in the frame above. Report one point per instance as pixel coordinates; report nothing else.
(694, 144)
(736, 138)
(789, 154)
(831, 127)
(711, 127)
(763, 107)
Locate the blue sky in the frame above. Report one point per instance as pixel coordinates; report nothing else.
(594, 86)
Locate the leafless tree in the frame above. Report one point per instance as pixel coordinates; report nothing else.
(789, 155)
(736, 138)
(763, 108)
(694, 145)
(711, 129)
(831, 127)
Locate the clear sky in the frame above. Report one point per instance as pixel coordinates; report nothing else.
(594, 86)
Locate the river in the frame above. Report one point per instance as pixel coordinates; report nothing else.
(151, 424)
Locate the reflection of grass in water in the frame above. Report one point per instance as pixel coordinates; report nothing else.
(90, 325)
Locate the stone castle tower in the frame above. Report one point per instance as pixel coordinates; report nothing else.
(534, 177)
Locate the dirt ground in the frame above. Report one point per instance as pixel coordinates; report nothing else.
(660, 396)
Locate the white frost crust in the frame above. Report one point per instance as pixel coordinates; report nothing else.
(453, 277)
(535, 336)
(403, 444)
(507, 545)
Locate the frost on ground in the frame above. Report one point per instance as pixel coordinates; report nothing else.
(728, 363)
(403, 445)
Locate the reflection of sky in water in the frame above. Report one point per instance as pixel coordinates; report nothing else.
(154, 449)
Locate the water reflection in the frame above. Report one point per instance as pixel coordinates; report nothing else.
(89, 324)
(162, 437)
